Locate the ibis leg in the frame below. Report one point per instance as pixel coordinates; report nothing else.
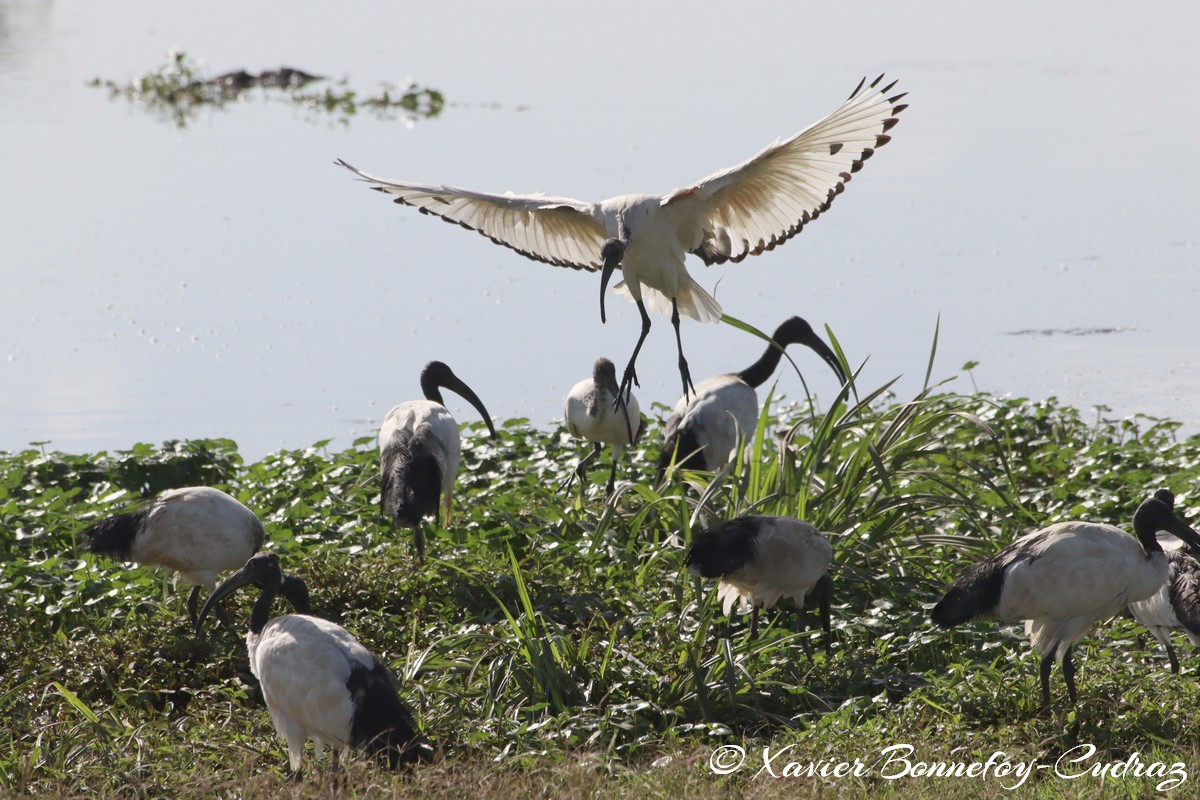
(580, 472)
(1174, 660)
(612, 477)
(1047, 664)
(629, 379)
(1068, 668)
(684, 373)
(823, 594)
(193, 601)
(419, 541)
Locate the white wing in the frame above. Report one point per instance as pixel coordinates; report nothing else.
(763, 202)
(556, 230)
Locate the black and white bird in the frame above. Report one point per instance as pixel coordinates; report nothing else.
(197, 531)
(318, 681)
(703, 430)
(595, 410)
(419, 452)
(1063, 578)
(759, 559)
(741, 211)
(1177, 602)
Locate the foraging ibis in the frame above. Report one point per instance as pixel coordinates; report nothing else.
(1063, 578)
(419, 451)
(741, 211)
(1176, 604)
(595, 410)
(759, 559)
(319, 682)
(197, 531)
(703, 431)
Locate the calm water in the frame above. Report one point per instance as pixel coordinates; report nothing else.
(225, 279)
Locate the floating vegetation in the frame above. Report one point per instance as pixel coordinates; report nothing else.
(178, 91)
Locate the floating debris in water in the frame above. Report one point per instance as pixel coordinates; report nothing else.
(1069, 331)
(178, 91)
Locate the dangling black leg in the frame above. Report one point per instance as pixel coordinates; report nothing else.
(612, 476)
(1068, 668)
(753, 623)
(1047, 663)
(419, 541)
(684, 373)
(1174, 660)
(629, 379)
(193, 601)
(823, 593)
(581, 470)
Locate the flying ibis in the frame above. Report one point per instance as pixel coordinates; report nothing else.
(318, 681)
(741, 211)
(197, 531)
(1176, 604)
(703, 431)
(595, 410)
(759, 559)
(419, 451)
(1063, 578)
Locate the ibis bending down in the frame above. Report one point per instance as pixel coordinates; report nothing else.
(759, 559)
(596, 411)
(318, 681)
(197, 531)
(737, 212)
(419, 451)
(1176, 604)
(1063, 578)
(703, 431)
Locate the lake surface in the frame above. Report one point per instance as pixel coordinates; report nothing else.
(226, 279)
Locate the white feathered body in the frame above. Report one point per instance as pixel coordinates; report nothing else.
(1063, 578)
(723, 410)
(790, 556)
(590, 415)
(197, 531)
(434, 426)
(303, 664)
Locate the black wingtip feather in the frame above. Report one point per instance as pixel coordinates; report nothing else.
(113, 537)
(976, 594)
(412, 479)
(382, 722)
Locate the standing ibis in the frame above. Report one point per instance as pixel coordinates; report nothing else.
(318, 681)
(1063, 578)
(595, 410)
(759, 559)
(741, 211)
(703, 431)
(419, 450)
(196, 531)
(1176, 604)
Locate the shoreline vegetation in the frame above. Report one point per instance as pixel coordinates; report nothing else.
(553, 645)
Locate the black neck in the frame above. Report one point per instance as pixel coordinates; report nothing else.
(757, 373)
(262, 609)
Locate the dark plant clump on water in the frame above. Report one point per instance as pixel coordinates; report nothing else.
(179, 91)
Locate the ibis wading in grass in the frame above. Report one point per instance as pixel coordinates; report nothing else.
(1177, 602)
(318, 681)
(1063, 578)
(737, 212)
(596, 411)
(760, 559)
(419, 451)
(703, 431)
(196, 531)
